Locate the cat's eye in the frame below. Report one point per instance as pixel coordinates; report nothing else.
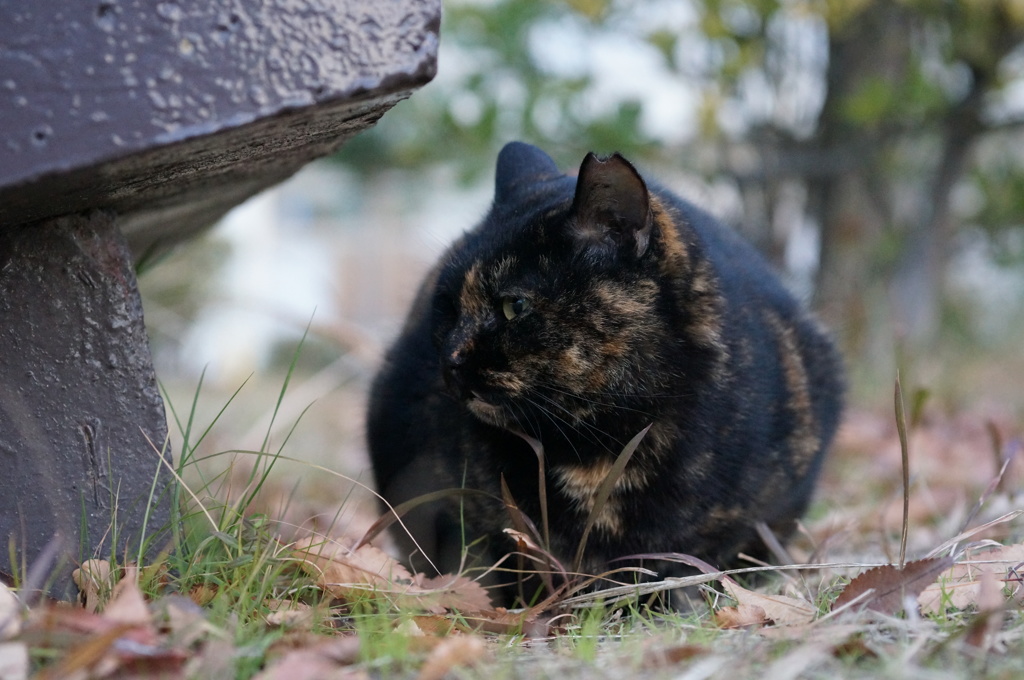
(512, 306)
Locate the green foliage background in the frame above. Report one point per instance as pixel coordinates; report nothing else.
(895, 122)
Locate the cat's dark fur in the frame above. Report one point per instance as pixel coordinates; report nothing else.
(579, 312)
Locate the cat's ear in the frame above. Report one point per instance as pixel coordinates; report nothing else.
(612, 209)
(520, 167)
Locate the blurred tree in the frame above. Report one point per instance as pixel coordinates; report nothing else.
(856, 121)
(908, 90)
(495, 84)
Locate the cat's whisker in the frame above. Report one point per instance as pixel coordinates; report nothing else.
(634, 394)
(554, 421)
(534, 429)
(589, 429)
(610, 405)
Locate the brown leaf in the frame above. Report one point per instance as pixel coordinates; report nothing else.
(782, 610)
(214, 659)
(182, 619)
(122, 641)
(70, 625)
(152, 663)
(852, 648)
(94, 580)
(890, 585)
(338, 568)
(960, 585)
(64, 620)
(523, 541)
(344, 572)
(453, 652)
(325, 659)
(438, 625)
(95, 655)
(203, 593)
(96, 645)
(127, 604)
(500, 621)
(989, 620)
(290, 614)
(657, 656)
(741, 616)
(307, 664)
(452, 592)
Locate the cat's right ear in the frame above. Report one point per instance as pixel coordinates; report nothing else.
(612, 209)
(520, 167)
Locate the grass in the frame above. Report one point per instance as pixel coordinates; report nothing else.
(261, 614)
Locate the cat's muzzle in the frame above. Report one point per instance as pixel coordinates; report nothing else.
(456, 377)
(461, 384)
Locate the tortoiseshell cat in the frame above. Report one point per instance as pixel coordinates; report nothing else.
(580, 311)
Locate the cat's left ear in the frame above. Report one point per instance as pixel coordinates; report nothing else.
(612, 208)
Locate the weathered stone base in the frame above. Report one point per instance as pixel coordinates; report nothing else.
(79, 404)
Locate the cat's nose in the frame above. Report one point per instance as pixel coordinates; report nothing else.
(454, 371)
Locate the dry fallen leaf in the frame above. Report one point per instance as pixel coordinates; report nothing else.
(981, 633)
(453, 652)
(340, 569)
(94, 657)
(500, 621)
(327, 659)
(449, 592)
(300, 664)
(891, 586)
(524, 543)
(438, 625)
(95, 580)
(960, 585)
(409, 628)
(290, 614)
(308, 665)
(657, 656)
(344, 649)
(127, 604)
(94, 645)
(215, 658)
(741, 616)
(854, 647)
(182, 620)
(203, 593)
(782, 610)
(344, 572)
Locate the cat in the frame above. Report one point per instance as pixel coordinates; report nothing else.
(580, 311)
